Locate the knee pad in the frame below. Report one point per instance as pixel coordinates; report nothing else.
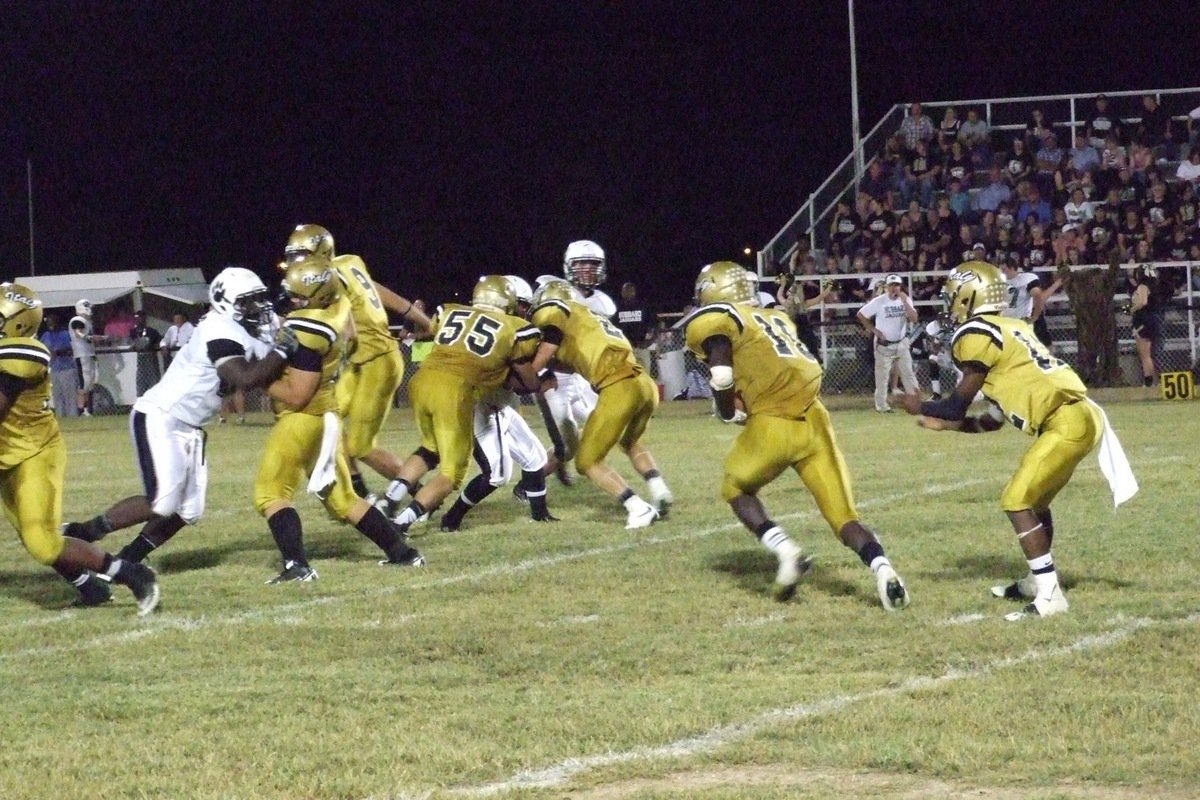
(430, 458)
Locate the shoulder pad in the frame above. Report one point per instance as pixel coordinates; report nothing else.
(24, 358)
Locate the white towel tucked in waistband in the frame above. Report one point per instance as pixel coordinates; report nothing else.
(324, 473)
(1114, 464)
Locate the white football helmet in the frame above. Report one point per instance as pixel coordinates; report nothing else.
(83, 308)
(521, 289)
(241, 295)
(584, 265)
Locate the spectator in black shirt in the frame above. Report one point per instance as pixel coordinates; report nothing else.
(1102, 123)
(1021, 163)
(875, 182)
(880, 227)
(1187, 208)
(145, 342)
(636, 321)
(846, 226)
(1153, 130)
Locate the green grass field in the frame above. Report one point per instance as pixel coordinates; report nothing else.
(582, 660)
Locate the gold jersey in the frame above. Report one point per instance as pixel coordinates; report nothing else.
(591, 344)
(479, 345)
(772, 371)
(370, 317)
(324, 332)
(30, 424)
(1023, 378)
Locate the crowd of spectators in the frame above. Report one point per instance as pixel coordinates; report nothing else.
(939, 194)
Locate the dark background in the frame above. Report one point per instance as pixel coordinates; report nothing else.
(443, 141)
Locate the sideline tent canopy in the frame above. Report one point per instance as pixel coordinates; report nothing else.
(182, 285)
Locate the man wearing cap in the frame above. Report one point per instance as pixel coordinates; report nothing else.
(886, 319)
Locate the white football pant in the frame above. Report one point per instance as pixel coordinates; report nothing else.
(170, 456)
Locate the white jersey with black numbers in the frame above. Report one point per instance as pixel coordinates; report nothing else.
(1020, 302)
(81, 329)
(601, 303)
(191, 390)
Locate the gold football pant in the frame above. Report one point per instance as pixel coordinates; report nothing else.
(769, 445)
(32, 496)
(622, 413)
(291, 452)
(444, 405)
(364, 399)
(1070, 434)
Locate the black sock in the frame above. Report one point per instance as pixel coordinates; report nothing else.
(477, 490)
(160, 529)
(358, 484)
(380, 530)
(534, 485)
(1147, 381)
(289, 535)
(138, 549)
(870, 551)
(119, 569)
(625, 495)
(651, 473)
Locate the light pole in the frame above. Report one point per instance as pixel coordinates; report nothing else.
(858, 156)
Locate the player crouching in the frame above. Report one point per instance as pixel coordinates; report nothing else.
(753, 352)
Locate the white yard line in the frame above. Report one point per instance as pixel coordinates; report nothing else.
(163, 623)
(562, 772)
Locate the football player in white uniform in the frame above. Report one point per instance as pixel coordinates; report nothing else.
(83, 347)
(503, 439)
(224, 353)
(1026, 300)
(567, 407)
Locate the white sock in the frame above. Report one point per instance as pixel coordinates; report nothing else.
(1044, 575)
(635, 504)
(879, 562)
(397, 491)
(657, 486)
(778, 542)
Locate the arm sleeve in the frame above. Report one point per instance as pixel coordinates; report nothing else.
(305, 359)
(221, 350)
(715, 320)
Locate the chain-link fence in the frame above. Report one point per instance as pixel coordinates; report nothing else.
(842, 346)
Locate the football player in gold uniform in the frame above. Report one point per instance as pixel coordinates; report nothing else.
(474, 349)
(589, 344)
(754, 355)
(375, 371)
(300, 443)
(33, 460)
(1041, 396)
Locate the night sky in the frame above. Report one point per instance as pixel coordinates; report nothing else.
(443, 141)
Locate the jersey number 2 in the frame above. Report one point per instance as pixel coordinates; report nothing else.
(480, 337)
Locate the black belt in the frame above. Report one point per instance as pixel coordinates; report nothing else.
(885, 344)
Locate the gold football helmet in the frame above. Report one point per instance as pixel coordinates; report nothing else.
(494, 292)
(20, 311)
(726, 282)
(308, 240)
(556, 289)
(974, 287)
(312, 282)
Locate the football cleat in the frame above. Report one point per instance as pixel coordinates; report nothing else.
(564, 477)
(892, 592)
(294, 573)
(641, 517)
(519, 495)
(95, 591)
(79, 530)
(1042, 606)
(450, 524)
(1024, 589)
(411, 558)
(792, 567)
(547, 517)
(663, 502)
(143, 582)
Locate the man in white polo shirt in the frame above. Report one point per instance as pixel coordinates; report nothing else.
(886, 318)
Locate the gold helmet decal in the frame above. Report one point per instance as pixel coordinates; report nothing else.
(312, 282)
(308, 240)
(973, 288)
(725, 282)
(20, 311)
(494, 292)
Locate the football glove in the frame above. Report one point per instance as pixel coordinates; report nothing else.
(286, 343)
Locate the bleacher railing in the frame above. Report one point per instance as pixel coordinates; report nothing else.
(1066, 112)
